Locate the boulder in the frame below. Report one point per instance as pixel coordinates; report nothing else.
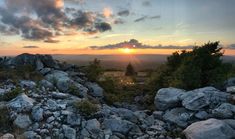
(31, 135)
(230, 89)
(52, 105)
(178, 116)
(58, 95)
(46, 84)
(209, 129)
(121, 126)
(37, 113)
(22, 121)
(125, 114)
(7, 136)
(199, 98)
(95, 90)
(224, 111)
(21, 103)
(73, 119)
(202, 115)
(92, 129)
(27, 84)
(69, 132)
(168, 98)
(230, 82)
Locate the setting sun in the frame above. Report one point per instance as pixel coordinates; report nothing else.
(127, 50)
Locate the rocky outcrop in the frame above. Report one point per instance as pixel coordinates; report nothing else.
(210, 129)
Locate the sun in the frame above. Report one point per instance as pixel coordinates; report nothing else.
(127, 50)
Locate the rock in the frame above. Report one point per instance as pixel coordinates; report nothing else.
(22, 121)
(230, 82)
(199, 98)
(46, 84)
(179, 116)
(125, 114)
(117, 125)
(91, 129)
(74, 119)
(45, 71)
(37, 113)
(202, 115)
(96, 90)
(21, 103)
(31, 135)
(7, 136)
(27, 84)
(58, 95)
(230, 89)
(224, 111)
(168, 98)
(69, 132)
(52, 105)
(209, 129)
(81, 89)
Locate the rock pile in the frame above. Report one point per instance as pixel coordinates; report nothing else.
(46, 110)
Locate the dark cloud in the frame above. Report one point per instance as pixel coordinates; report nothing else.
(124, 13)
(119, 21)
(51, 41)
(102, 27)
(30, 47)
(135, 44)
(155, 17)
(45, 19)
(146, 3)
(140, 19)
(231, 46)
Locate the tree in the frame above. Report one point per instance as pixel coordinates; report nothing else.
(200, 67)
(94, 70)
(130, 71)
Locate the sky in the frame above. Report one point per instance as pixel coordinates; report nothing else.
(114, 26)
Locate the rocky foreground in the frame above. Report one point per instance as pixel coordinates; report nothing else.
(46, 110)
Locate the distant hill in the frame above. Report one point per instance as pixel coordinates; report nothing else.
(140, 62)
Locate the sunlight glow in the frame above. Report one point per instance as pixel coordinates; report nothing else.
(127, 50)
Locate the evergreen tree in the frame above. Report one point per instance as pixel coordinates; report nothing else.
(130, 71)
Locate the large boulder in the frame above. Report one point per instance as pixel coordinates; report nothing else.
(91, 129)
(209, 129)
(37, 113)
(224, 111)
(69, 132)
(22, 121)
(27, 84)
(199, 98)
(168, 98)
(95, 90)
(178, 116)
(21, 103)
(37, 61)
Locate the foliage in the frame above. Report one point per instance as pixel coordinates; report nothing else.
(200, 67)
(130, 71)
(74, 90)
(86, 107)
(25, 72)
(5, 121)
(94, 70)
(10, 95)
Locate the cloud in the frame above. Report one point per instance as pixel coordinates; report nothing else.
(46, 19)
(51, 41)
(124, 13)
(30, 47)
(135, 44)
(146, 3)
(143, 18)
(231, 46)
(107, 12)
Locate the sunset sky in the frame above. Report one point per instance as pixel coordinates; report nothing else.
(114, 26)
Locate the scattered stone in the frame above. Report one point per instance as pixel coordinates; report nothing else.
(69, 132)
(31, 135)
(74, 119)
(209, 129)
(7, 136)
(37, 113)
(27, 84)
(230, 89)
(168, 98)
(21, 103)
(22, 121)
(58, 95)
(96, 90)
(224, 111)
(202, 115)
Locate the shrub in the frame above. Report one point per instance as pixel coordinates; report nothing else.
(86, 108)
(5, 121)
(10, 95)
(130, 71)
(73, 90)
(94, 70)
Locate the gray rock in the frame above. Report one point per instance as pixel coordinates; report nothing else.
(31, 135)
(168, 98)
(50, 119)
(46, 84)
(125, 114)
(58, 95)
(45, 71)
(69, 132)
(21, 103)
(209, 129)
(7, 136)
(96, 90)
(224, 111)
(37, 113)
(230, 89)
(202, 115)
(199, 98)
(179, 116)
(117, 125)
(74, 119)
(52, 105)
(91, 129)
(22, 121)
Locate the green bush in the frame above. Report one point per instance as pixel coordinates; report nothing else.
(10, 95)
(73, 90)
(86, 108)
(5, 121)
(94, 70)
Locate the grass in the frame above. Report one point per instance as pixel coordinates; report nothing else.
(10, 95)
(86, 108)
